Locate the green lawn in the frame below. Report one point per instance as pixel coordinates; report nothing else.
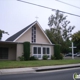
(18, 64)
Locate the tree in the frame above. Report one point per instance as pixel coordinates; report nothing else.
(2, 32)
(60, 31)
(76, 40)
(60, 26)
(52, 36)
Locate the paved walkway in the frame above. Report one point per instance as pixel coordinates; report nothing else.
(36, 69)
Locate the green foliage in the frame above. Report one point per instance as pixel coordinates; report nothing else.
(2, 32)
(26, 50)
(60, 26)
(60, 31)
(21, 58)
(33, 58)
(53, 57)
(45, 57)
(57, 52)
(61, 56)
(76, 40)
(65, 46)
(51, 35)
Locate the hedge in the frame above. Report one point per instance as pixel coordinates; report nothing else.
(57, 51)
(26, 50)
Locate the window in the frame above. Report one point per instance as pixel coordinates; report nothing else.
(33, 34)
(3, 53)
(37, 52)
(40, 51)
(45, 50)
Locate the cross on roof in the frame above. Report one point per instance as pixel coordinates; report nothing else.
(36, 18)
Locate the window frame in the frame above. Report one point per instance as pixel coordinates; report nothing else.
(41, 51)
(33, 37)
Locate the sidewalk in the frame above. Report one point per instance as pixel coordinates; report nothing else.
(36, 69)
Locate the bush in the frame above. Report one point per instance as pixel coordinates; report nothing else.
(45, 57)
(61, 56)
(53, 58)
(57, 51)
(26, 50)
(33, 58)
(21, 58)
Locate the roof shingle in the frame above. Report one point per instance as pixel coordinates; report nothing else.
(13, 37)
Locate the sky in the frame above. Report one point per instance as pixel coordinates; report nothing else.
(16, 15)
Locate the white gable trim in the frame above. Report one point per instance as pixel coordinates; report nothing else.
(24, 32)
(44, 33)
(29, 28)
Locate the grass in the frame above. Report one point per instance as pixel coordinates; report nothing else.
(19, 64)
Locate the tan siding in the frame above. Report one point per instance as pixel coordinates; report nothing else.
(11, 51)
(25, 37)
(40, 38)
(19, 51)
(12, 54)
(52, 50)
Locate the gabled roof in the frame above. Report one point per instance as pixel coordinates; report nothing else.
(13, 37)
(21, 32)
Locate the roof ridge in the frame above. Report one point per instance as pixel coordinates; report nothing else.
(14, 36)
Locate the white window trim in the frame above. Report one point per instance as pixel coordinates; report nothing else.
(42, 51)
(37, 54)
(49, 50)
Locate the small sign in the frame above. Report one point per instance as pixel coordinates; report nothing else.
(76, 76)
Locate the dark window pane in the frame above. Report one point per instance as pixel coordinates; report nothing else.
(3, 53)
(39, 50)
(34, 28)
(34, 36)
(44, 50)
(47, 50)
(34, 40)
(34, 32)
(35, 50)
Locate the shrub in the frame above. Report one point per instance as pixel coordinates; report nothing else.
(61, 56)
(33, 58)
(21, 58)
(26, 50)
(53, 57)
(57, 51)
(45, 57)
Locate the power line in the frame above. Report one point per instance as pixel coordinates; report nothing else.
(68, 4)
(48, 8)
